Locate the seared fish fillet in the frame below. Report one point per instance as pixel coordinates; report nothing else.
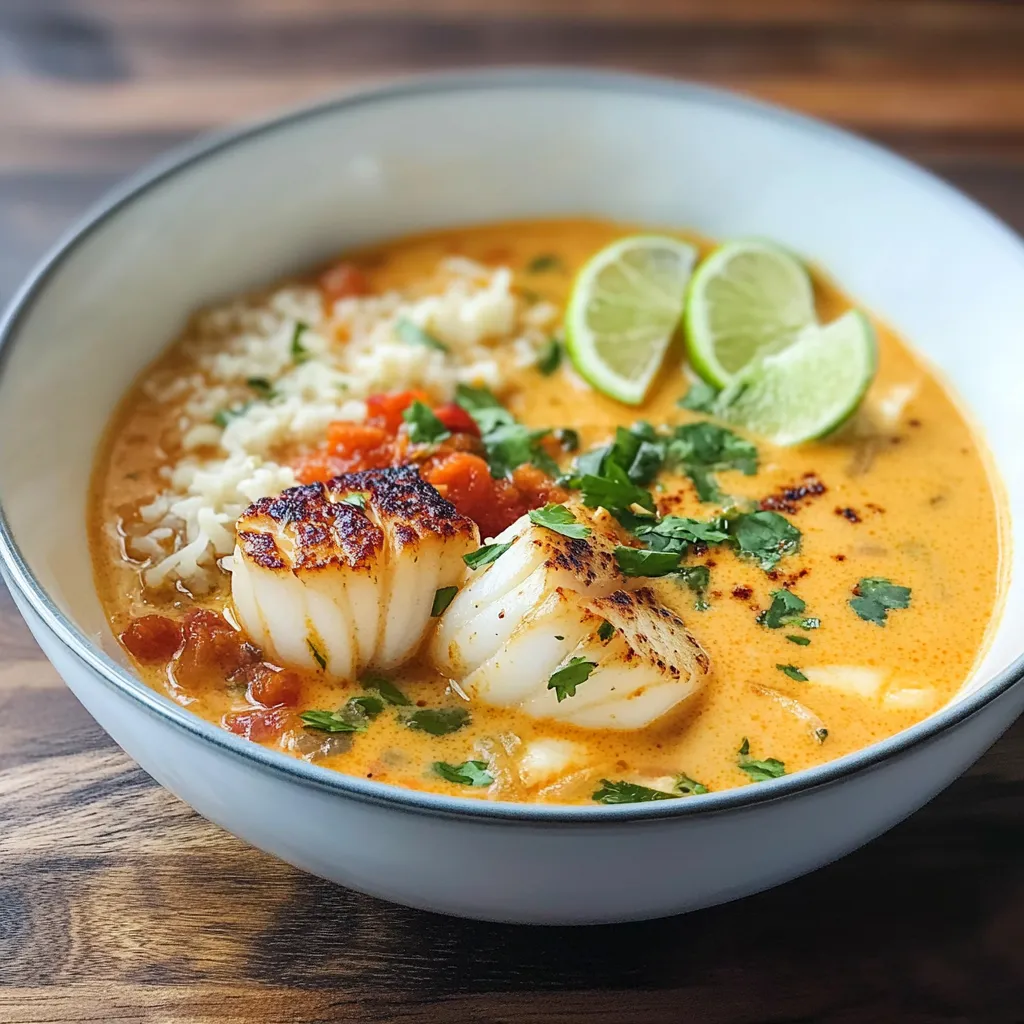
(342, 576)
(550, 599)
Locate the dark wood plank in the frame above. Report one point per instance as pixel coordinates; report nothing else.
(101, 917)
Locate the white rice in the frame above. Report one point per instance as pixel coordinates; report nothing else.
(348, 355)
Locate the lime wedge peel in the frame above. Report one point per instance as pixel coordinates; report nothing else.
(625, 307)
(748, 299)
(810, 388)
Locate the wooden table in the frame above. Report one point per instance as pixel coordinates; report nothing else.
(118, 903)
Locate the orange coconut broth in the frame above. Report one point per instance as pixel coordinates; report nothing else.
(910, 501)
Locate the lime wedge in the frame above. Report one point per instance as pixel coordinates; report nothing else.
(747, 300)
(808, 389)
(626, 304)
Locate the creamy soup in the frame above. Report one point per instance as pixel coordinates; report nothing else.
(862, 611)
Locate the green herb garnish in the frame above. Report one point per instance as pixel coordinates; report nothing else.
(759, 771)
(698, 579)
(357, 498)
(225, 416)
(369, 705)
(299, 351)
(438, 721)
(550, 357)
(485, 555)
(686, 786)
(442, 598)
(700, 398)
(803, 641)
(876, 597)
(424, 426)
(605, 631)
(317, 656)
(567, 678)
(469, 773)
(567, 438)
(699, 449)
(387, 690)
(786, 609)
(261, 386)
(413, 334)
(793, 672)
(765, 537)
(561, 520)
(628, 793)
(614, 490)
(544, 262)
(354, 716)
(643, 562)
(677, 533)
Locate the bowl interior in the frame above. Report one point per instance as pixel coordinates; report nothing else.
(265, 203)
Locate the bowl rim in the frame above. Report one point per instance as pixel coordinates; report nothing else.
(120, 680)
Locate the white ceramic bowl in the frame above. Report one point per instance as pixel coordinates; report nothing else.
(241, 209)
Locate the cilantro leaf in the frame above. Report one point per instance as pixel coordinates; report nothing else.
(317, 656)
(639, 451)
(438, 721)
(614, 490)
(369, 705)
(567, 438)
(424, 426)
(469, 773)
(644, 562)
(442, 598)
(765, 537)
(261, 386)
(561, 520)
(485, 555)
(686, 786)
(387, 690)
(759, 771)
(698, 579)
(701, 448)
(628, 793)
(793, 672)
(786, 609)
(700, 398)
(876, 597)
(357, 498)
(549, 358)
(802, 641)
(605, 631)
(591, 463)
(413, 334)
(677, 533)
(546, 261)
(354, 716)
(569, 676)
(299, 352)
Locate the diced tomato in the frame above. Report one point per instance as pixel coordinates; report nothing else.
(385, 410)
(465, 480)
(456, 419)
(260, 725)
(536, 488)
(213, 650)
(342, 281)
(317, 467)
(152, 638)
(346, 439)
(274, 689)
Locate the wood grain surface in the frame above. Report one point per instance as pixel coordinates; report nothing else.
(117, 903)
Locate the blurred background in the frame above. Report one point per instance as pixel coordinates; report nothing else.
(92, 89)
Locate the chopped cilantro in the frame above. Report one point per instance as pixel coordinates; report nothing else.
(643, 562)
(387, 690)
(698, 579)
(261, 386)
(442, 598)
(591, 463)
(550, 357)
(225, 416)
(438, 721)
(686, 786)
(568, 439)
(765, 537)
(677, 533)
(793, 672)
(369, 705)
(569, 676)
(639, 451)
(876, 597)
(413, 334)
(802, 641)
(317, 656)
(759, 771)
(546, 261)
(605, 631)
(357, 498)
(628, 793)
(700, 398)
(485, 555)
(469, 773)
(561, 520)
(354, 716)
(299, 351)
(614, 490)
(424, 426)
(701, 448)
(786, 609)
